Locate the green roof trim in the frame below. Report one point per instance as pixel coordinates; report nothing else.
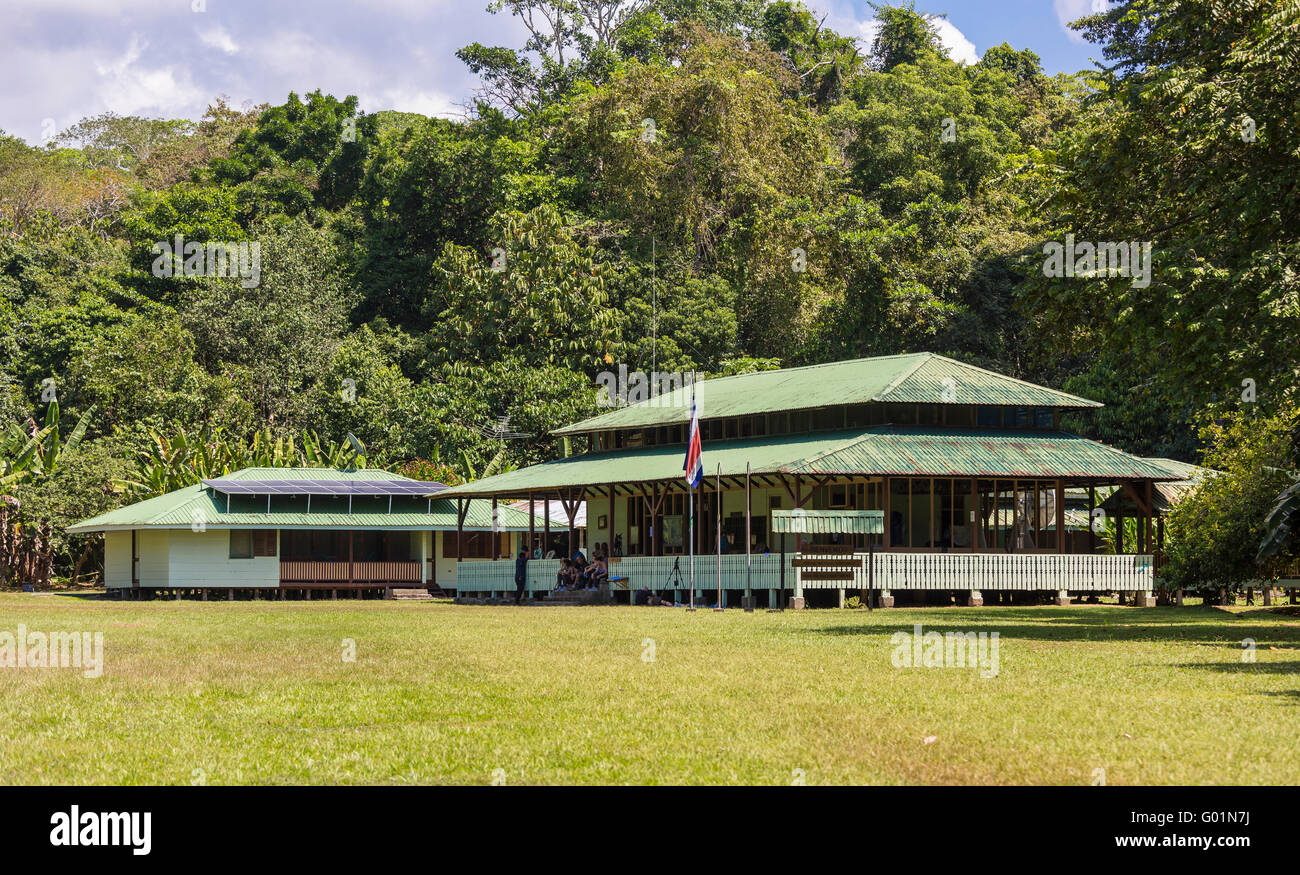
(886, 450)
(199, 505)
(915, 378)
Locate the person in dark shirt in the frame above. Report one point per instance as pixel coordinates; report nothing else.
(521, 575)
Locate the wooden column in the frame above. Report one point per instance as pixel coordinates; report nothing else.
(1060, 516)
(975, 513)
(461, 507)
(887, 540)
(496, 544)
(613, 494)
(532, 526)
(1147, 540)
(546, 524)
(1092, 506)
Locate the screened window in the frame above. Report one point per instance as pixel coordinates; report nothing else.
(247, 543)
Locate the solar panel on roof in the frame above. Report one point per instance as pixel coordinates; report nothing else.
(324, 487)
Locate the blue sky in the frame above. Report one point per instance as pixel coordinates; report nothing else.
(68, 59)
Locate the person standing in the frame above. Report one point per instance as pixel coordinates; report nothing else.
(521, 575)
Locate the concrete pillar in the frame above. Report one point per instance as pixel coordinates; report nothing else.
(1178, 594)
(1062, 598)
(975, 599)
(771, 598)
(796, 603)
(1145, 599)
(230, 594)
(886, 599)
(841, 597)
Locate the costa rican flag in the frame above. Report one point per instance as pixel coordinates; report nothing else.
(694, 464)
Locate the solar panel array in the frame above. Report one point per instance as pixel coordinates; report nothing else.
(414, 488)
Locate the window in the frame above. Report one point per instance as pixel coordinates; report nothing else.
(247, 543)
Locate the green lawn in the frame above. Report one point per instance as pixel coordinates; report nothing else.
(259, 692)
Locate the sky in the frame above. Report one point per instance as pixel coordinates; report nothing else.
(65, 60)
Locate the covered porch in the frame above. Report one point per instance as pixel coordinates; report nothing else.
(964, 511)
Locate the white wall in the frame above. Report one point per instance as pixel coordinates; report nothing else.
(151, 548)
(203, 559)
(117, 559)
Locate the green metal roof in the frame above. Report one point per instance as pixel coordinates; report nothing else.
(923, 378)
(1163, 495)
(896, 450)
(197, 504)
(828, 522)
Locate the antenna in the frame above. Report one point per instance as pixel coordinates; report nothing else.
(654, 312)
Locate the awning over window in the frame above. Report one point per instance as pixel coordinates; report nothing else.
(828, 522)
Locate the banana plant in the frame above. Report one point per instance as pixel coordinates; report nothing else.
(1281, 523)
(24, 457)
(173, 461)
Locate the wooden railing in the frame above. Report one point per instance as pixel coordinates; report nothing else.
(314, 571)
(901, 571)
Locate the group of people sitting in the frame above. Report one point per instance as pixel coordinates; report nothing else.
(579, 574)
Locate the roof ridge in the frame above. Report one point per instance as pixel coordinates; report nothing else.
(925, 358)
(1087, 401)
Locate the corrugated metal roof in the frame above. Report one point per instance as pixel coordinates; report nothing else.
(828, 522)
(935, 452)
(923, 378)
(897, 450)
(194, 505)
(1163, 495)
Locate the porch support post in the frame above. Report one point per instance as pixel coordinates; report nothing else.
(1148, 540)
(975, 599)
(613, 495)
(1092, 506)
(886, 599)
(496, 546)
(885, 540)
(532, 526)
(748, 603)
(1060, 515)
(546, 526)
(1062, 598)
(461, 507)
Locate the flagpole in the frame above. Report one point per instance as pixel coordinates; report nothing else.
(717, 498)
(691, 540)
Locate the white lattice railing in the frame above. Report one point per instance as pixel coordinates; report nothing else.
(893, 571)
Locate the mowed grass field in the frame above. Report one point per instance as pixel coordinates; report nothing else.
(260, 693)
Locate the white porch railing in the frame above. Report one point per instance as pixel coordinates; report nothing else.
(893, 571)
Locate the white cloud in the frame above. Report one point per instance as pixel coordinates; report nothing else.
(218, 38)
(127, 87)
(430, 103)
(1072, 10)
(954, 42)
